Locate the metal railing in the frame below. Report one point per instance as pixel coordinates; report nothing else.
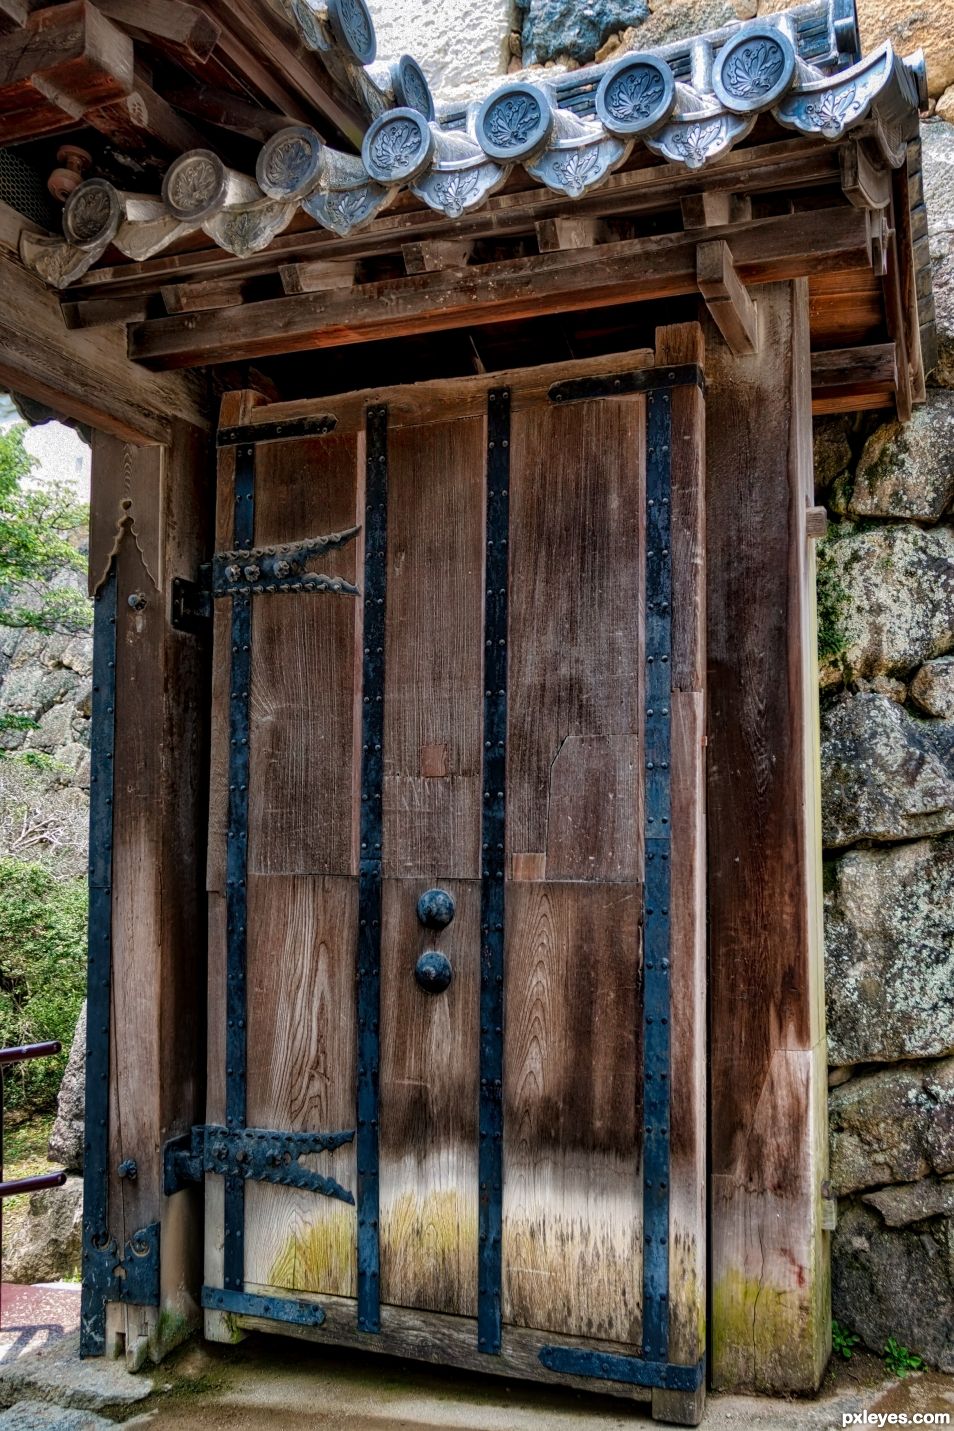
(10, 1056)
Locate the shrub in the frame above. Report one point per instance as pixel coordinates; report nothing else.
(42, 973)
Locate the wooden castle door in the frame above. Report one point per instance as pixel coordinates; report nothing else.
(456, 871)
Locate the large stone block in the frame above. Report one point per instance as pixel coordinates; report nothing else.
(893, 1126)
(464, 48)
(832, 449)
(938, 169)
(933, 688)
(885, 599)
(49, 1242)
(889, 953)
(569, 29)
(895, 1282)
(925, 26)
(886, 775)
(67, 1137)
(905, 470)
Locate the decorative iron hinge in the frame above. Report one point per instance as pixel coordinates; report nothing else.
(256, 1154)
(108, 1277)
(280, 568)
(192, 603)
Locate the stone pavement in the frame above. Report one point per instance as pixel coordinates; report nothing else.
(32, 1318)
(269, 1381)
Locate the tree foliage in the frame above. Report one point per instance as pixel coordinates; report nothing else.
(38, 523)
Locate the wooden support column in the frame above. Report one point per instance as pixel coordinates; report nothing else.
(150, 516)
(770, 1310)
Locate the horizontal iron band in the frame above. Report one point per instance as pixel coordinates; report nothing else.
(274, 1309)
(639, 380)
(318, 426)
(607, 1366)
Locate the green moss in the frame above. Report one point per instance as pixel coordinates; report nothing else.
(833, 601)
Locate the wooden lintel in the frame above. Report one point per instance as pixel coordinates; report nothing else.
(572, 231)
(434, 255)
(789, 163)
(316, 277)
(732, 309)
(713, 209)
(767, 251)
(196, 297)
(64, 61)
(873, 366)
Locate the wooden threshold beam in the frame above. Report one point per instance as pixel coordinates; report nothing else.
(768, 251)
(732, 310)
(786, 164)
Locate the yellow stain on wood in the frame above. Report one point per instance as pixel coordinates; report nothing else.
(429, 1252)
(576, 1275)
(320, 1255)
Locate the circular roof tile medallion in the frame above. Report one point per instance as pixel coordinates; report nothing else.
(353, 27)
(411, 88)
(754, 69)
(398, 146)
(636, 95)
(290, 163)
(514, 122)
(195, 185)
(92, 213)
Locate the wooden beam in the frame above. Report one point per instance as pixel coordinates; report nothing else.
(790, 163)
(228, 111)
(180, 27)
(714, 208)
(100, 312)
(732, 310)
(317, 277)
(196, 297)
(435, 255)
(770, 250)
(771, 1319)
(866, 181)
(67, 59)
(842, 375)
(142, 123)
(572, 231)
(86, 374)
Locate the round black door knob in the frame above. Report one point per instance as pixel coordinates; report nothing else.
(436, 909)
(433, 971)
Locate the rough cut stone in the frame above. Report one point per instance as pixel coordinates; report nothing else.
(933, 688)
(904, 471)
(885, 774)
(553, 28)
(43, 1416)
(889, 953)
(50, 1239)
(832, 450)
(888, 686)
(893, 1126)
(66, 1139)
(895, 1282)
(885, 598)
(925, 26)
(937, 141)
(912, 1202)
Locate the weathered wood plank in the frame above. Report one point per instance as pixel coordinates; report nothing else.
(662, 266)
(575, 643)
(186, 27)
(434, 650)
(769, 1297)
(428, 1111)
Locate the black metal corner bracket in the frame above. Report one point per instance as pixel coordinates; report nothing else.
(296, 1312)
(253, 1154)
(108, 1274)
(629, 1370)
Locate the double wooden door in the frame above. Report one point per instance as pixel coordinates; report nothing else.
(456, 868)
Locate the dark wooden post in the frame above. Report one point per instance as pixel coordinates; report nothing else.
(151, 508)
(770, 1319)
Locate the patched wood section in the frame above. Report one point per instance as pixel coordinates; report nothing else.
(576, 521)
(428, 1117)
(770, 1320)
(302, 935)
(434, 650)
(305, 728)
(572, 1110)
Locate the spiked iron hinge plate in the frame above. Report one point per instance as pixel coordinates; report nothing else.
(253, 1154)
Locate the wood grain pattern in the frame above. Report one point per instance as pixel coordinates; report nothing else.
(572, 1110)
(304, 727)
(302, 1043)
(434, 650)
(575, 648)
(770, 1324)
(428, 1116)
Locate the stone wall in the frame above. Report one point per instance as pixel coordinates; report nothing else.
(886, 631)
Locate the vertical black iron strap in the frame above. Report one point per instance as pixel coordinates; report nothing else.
(236, 898)
(369, 883)
(656, 942)
(490, 1159)
(99, 971)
